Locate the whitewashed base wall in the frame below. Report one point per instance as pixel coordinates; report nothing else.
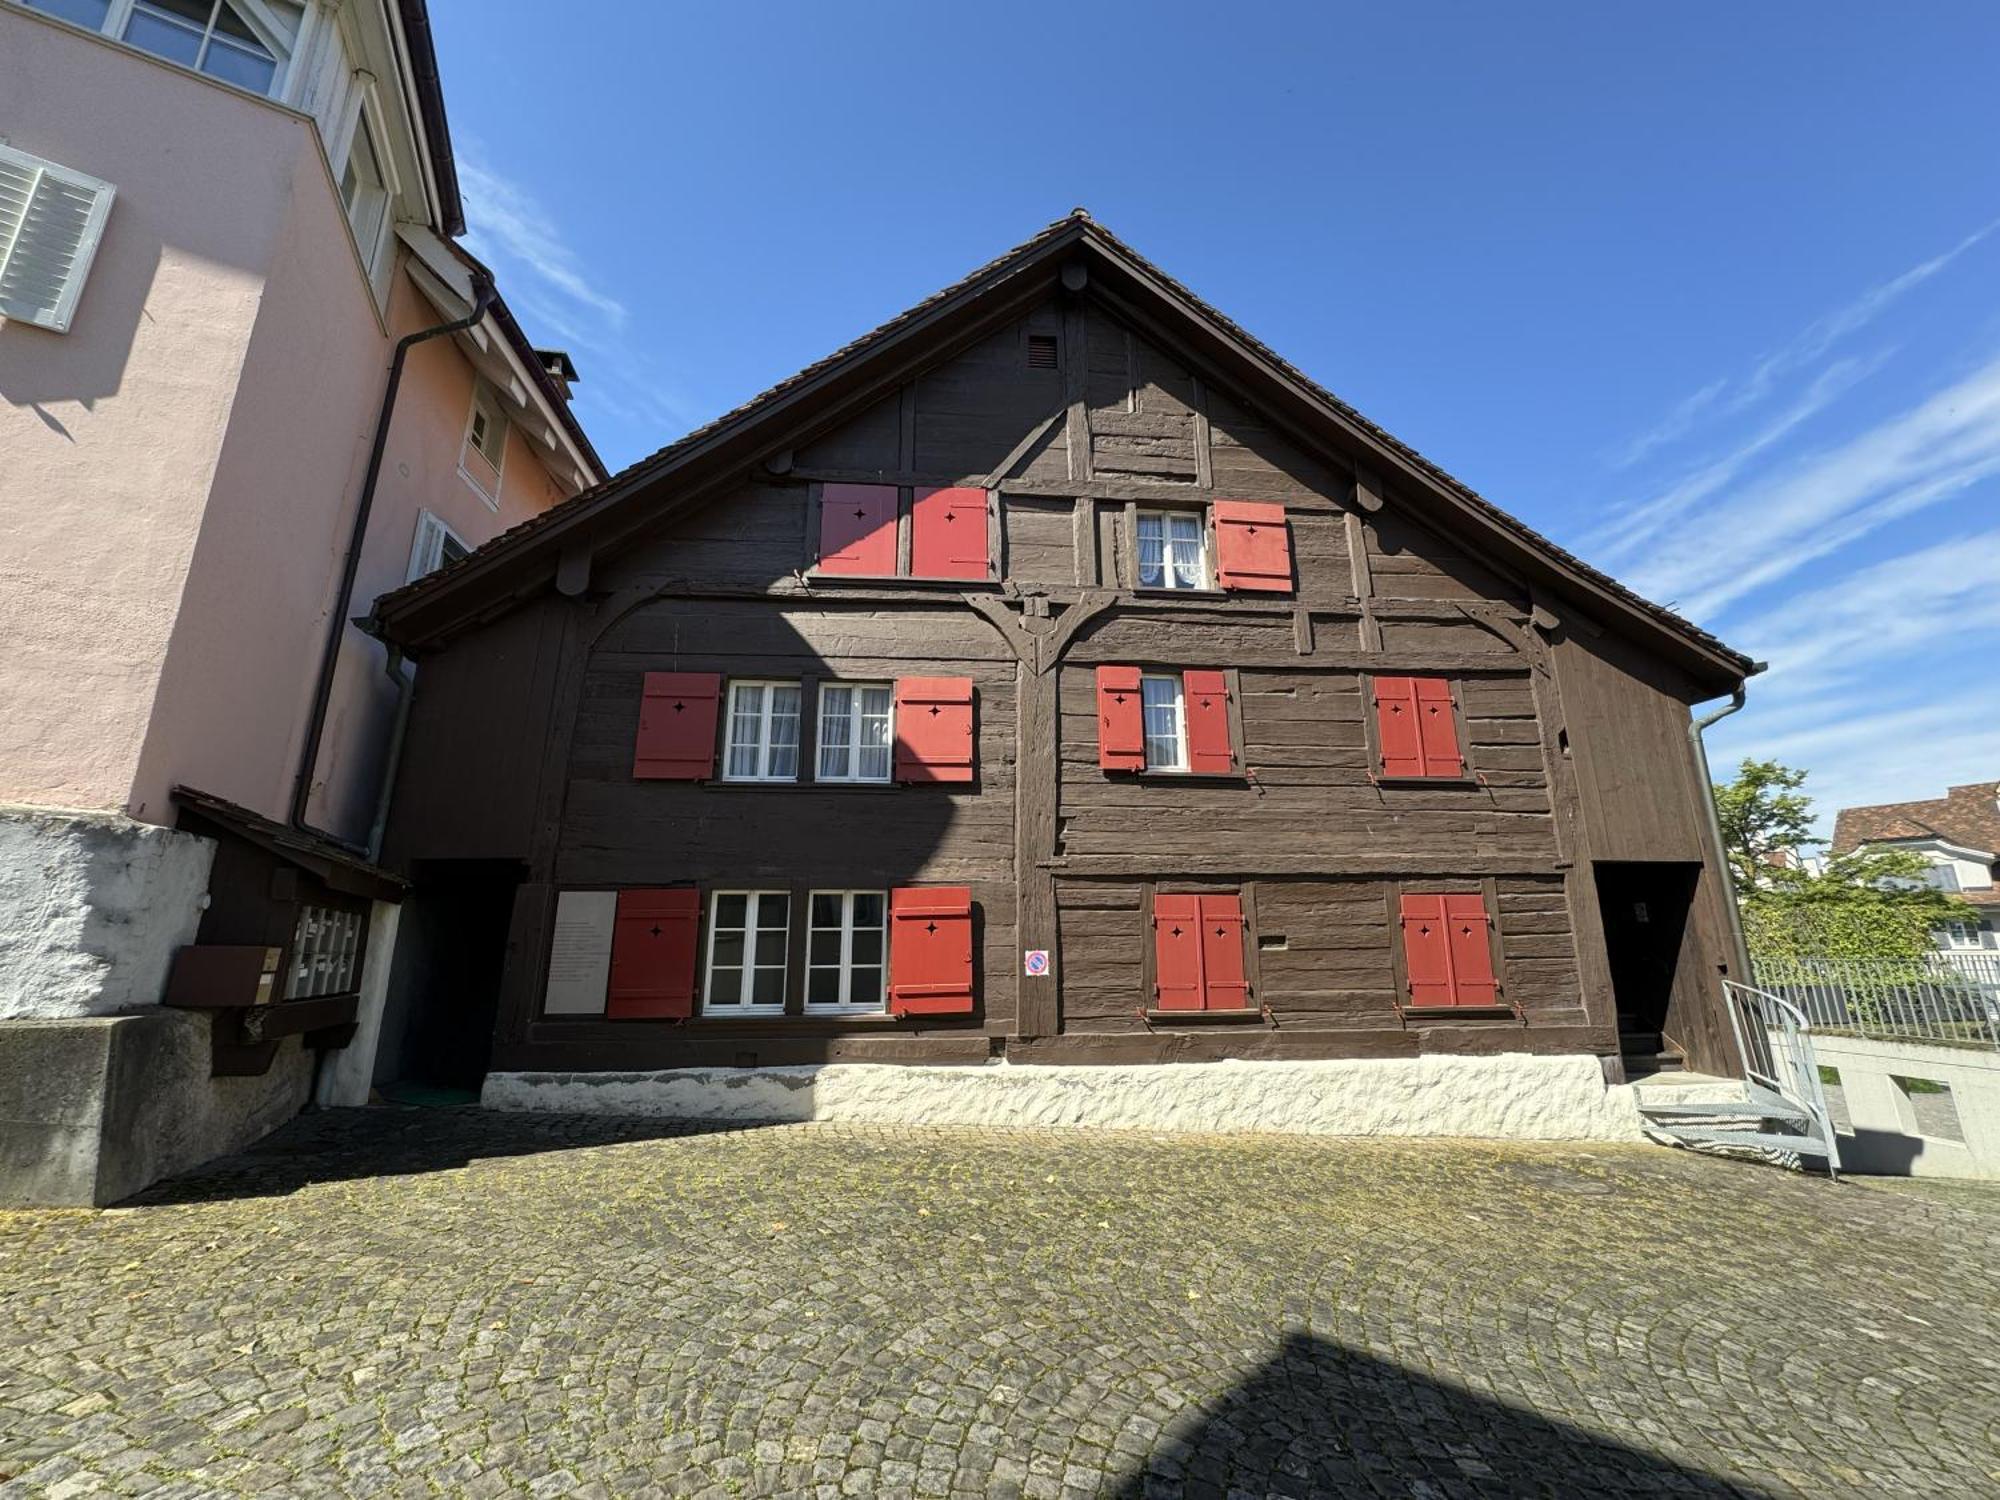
(1516, 1097)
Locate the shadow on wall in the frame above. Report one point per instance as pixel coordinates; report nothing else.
(1319, 1419)
(87, 364)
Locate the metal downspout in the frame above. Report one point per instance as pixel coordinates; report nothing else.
(1741, 948)
(379, 828)
(482, 299)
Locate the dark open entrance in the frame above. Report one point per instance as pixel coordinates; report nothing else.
(1646, 910)
(444, 992)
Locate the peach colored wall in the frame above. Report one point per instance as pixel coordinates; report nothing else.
(109, 434)
(419, 472)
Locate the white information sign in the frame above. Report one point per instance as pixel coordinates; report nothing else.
(580, 955)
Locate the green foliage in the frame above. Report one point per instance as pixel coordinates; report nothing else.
(1866, 904)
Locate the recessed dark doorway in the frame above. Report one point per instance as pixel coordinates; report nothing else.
(444, 992)
(1645, 908)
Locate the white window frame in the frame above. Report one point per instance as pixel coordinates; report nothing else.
(763, 773)
(259, 18)
(484, 395)
(58, 318)
(1962, 935)
(1146, 737)
(427, 548)
(846, 1006)
(853, 743)
(368, 121)
(747, 980)
(1204, 569)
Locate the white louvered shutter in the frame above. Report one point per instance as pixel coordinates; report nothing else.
(50, 221)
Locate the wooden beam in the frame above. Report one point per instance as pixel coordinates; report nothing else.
(1174, 865)
(1076, 415)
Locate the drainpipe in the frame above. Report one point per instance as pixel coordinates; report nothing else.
(380, 827)
(1740, 948)
(482, 299)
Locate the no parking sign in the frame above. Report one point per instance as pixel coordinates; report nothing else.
(1035, 963)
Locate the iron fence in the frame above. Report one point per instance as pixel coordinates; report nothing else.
(1945, 997)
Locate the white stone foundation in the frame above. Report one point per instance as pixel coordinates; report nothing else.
(1513, 1096)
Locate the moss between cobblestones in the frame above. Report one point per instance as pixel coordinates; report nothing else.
(398, 1302)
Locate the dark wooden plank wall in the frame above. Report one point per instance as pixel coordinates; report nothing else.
(1318, 847)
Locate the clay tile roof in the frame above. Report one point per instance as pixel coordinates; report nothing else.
(1968, 816)
(1077, 226)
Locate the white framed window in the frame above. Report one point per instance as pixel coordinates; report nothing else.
(483, 456)
(845, 950)
(855, 730)
(51, 220)
(364, 191)
(245, 43)
(1165, 719)
(1962, 934)
(1173, 550)
(436, 545)
(762, 743)
(747, 935)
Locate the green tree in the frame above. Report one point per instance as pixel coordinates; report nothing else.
(1868, 903)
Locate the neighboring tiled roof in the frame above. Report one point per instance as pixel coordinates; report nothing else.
(1967, 816)
(1080, 225)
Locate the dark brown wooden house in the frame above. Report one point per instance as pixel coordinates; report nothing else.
(1054, 673)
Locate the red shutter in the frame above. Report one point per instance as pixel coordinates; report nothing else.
(1471, 951)
(1225, 985)
(1436, 728)
(1252, 548)
(1121, 726)
(652, 955)
(1177, 952)
(930, 950)
(1426, 951)
(1396, 727)
(1205, 697)
(948, 534)
(857, 529)
(1447, 951)
(934, 729)
(677, 726)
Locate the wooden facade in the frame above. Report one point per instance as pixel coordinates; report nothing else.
(974, 496)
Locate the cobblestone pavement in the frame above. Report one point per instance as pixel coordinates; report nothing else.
(396, 1302)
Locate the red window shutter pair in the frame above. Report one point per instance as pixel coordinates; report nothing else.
(857, 531)
(653, 955)
(1198, 953)
(930, 950)
(934, 729)
(677, 726)
(1447, 952)
(1253, 550)
(1416, 729)
(1121, 723)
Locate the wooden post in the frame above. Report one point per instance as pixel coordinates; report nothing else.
(1036, 769)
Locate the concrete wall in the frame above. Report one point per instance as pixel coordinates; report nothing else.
(92, 909)
(1890, 1133)
(1511, 1096)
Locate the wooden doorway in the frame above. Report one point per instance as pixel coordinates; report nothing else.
(1646, 908)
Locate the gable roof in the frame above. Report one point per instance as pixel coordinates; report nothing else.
(1967, 816)
(521, 562)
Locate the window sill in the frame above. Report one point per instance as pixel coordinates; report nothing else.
(1461, 1012)
(771, 1020)
(866, 787)
(1226, 778)
(1461, 783)
(1160, 591)
(1202, 1017)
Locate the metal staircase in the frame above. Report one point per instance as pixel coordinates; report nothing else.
(1781, 1106)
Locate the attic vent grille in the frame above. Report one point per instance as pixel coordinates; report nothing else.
(1041, 351)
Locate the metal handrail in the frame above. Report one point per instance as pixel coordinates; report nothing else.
(1778, 1058)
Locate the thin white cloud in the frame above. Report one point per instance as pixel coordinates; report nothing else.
(1770, 528)
(1726, 395)
(502, 216)
(1631, 531)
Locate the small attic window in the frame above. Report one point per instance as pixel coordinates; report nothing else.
(1042, 351)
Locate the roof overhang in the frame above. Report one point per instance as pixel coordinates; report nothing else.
(523, 561)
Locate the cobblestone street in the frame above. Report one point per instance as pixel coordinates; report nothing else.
(401, 1302)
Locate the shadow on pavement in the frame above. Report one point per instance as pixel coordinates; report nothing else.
(1318, 1419)
(343, 1145)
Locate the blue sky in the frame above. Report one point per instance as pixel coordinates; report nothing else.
(1705, 292)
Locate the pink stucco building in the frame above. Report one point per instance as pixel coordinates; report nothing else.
(220, 222)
